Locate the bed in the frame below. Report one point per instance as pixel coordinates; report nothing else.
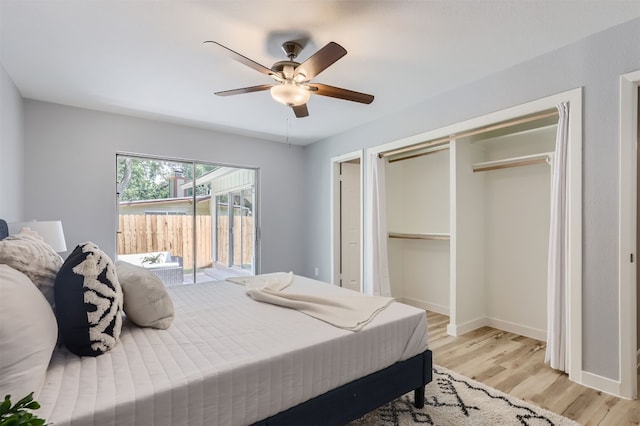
(228, 359)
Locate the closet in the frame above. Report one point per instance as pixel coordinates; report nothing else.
(468, 222)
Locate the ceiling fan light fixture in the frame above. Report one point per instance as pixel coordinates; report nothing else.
(290, 94)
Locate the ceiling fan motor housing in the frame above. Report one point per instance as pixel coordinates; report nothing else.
(280, 66)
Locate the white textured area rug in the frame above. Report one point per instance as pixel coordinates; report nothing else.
(452, 399)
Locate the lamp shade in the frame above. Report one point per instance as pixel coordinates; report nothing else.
(50, 231)
(290, 94)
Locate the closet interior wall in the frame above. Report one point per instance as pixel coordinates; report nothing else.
(418, 209)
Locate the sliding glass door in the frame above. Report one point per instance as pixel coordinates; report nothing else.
(186, 222)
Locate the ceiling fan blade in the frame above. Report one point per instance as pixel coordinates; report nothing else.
(320, 60)
(242, 59)
(336, 92)
(245, 90)
(300, 111)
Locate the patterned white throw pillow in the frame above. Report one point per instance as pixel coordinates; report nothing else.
(28, 253)
(88, 301)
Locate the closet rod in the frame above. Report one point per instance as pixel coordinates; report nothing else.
(431, 151)
(419, 236)
(504, 124)
(525, 160)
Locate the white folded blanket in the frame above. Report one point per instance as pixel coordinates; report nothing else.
(339, 307)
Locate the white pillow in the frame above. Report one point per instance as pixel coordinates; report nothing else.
(28, 335)
(27, 252)
(146, 301)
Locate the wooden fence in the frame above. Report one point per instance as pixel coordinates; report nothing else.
(174, 233)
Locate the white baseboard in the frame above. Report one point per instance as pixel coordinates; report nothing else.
(465, 327)
(427, 306)
(510, 327)
(522, 330)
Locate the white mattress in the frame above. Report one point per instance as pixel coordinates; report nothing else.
(226, 360)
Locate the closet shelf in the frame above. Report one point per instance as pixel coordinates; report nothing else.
(433, 236)
(525, 160)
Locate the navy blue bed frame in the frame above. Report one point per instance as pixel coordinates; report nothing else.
(355, 399)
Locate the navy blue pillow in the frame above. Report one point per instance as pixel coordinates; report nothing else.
(88, 301)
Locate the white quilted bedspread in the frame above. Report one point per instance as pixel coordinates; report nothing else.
(226, 360)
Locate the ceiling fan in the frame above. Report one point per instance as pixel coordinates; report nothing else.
(292, 85)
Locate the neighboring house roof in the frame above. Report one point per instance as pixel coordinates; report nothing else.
(207, 178)
(199, 199)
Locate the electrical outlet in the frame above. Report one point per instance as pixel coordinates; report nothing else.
(315, 272)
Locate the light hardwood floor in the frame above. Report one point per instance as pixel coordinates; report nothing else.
(515, 365)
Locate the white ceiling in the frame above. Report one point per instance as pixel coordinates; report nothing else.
(146, 57)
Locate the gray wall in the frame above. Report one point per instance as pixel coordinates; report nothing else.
(594, 63)
(70, 163)
(11, 151)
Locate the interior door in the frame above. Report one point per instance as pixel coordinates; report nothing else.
(350, 225)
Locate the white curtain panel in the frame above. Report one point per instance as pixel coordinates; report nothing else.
(379, 284)
(555, 354)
